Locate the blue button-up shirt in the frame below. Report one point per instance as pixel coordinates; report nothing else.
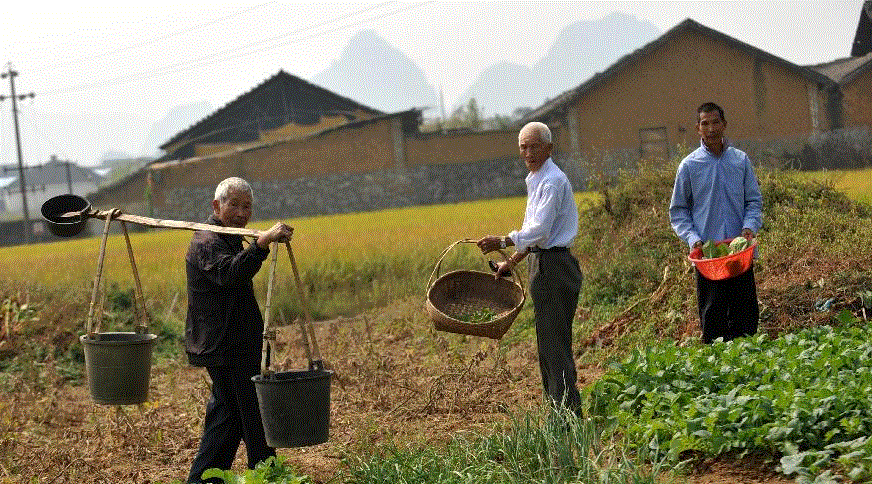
(551, 217)
(714, 198)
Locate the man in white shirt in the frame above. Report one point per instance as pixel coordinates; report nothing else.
(550, 225)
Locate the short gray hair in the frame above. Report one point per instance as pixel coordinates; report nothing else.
(541, 129)
(233, 183)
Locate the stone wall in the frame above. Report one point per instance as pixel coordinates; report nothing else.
(360, 192)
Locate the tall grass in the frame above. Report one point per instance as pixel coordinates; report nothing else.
(548, 447)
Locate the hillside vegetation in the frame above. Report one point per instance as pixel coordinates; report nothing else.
(814, 248)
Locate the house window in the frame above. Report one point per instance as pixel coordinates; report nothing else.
(653, 143)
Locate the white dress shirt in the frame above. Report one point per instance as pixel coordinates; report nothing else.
(551, 217)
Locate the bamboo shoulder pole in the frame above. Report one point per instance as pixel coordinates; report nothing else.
(170, 224)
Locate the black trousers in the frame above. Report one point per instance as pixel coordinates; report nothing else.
(232, 414)
(555, 281)
(727, 308)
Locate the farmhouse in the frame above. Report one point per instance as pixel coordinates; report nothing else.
(644, 104)
(283, 106)
(55, 177)
(44, 181)
(853, 76)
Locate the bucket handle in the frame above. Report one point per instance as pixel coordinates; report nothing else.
(92, 333)
(315, 364)
(138, 300)
(269, 335)
(437, 270)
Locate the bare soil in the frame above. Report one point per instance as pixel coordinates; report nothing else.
(404, 384)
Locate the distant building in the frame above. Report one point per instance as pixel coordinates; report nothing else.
(55, 177)
(282, 107)
(644, 105)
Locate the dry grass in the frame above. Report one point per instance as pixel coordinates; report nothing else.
(396, 381)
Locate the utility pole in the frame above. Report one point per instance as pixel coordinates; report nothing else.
(54, 160)
(11, 74)
(69, 178)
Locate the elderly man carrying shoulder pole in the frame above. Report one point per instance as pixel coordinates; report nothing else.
(223, 330)
(550, 225)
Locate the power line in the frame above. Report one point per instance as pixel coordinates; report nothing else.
(231, 53)
(206, 60)
(192, 63)
(153, 39)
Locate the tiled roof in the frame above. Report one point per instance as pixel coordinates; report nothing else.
(281, 99)
(845, 70)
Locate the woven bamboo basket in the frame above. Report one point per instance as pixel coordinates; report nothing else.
(456, 294)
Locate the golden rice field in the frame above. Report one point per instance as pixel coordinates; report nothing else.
(347, 261)
(857, 184)
(372, 256)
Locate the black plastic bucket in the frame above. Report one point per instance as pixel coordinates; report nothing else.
(294, 407)
(118, 367)
(54, 208)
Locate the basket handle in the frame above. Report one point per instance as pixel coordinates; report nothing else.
(438, 268)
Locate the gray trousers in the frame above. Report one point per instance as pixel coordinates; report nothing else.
(555, 281)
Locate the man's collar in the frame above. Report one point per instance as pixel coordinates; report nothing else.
(724, 142)
(546, 165)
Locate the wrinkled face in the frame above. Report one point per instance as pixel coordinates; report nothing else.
(533, 150)
(235, 210)
(710, 127)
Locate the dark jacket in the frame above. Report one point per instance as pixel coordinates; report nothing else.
(223, 316)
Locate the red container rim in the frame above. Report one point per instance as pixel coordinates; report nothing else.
(726, 241)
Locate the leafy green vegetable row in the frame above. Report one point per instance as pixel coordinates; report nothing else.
(806, 397)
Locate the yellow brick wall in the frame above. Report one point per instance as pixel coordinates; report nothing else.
(857, 101)
(761, 99)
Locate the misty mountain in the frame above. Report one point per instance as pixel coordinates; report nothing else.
(376, 74)
(112, 154)
(177, 119)
(501, 88)
(580, 50)
(95, 133)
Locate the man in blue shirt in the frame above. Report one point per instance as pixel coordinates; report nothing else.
(550, 225)
(716, 197)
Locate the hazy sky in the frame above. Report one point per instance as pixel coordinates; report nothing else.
(98, 59)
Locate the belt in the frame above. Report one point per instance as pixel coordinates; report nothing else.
(549, 249)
